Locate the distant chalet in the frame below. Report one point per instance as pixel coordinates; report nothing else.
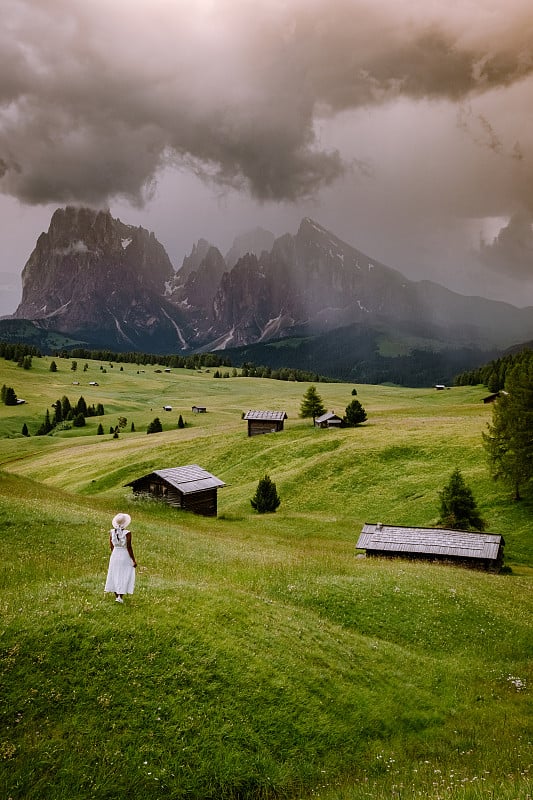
(264, 421)
(190, 488)
(478, 550)
(328, 420)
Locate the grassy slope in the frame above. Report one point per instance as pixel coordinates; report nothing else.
(257, 655)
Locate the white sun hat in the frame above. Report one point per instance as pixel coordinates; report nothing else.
(121, 521)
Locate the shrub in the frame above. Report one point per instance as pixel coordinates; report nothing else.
(266, 498)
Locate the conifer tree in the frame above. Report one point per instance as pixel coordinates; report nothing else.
(311, 405)
(266, 499)
(509, 439)
(10, 398)
(458, 508)
(155, 426)
(355, 413)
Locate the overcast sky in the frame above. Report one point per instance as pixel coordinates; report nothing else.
(403, 126)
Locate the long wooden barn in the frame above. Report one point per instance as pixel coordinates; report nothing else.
(264, 421)
(190, 488)
(479, 550)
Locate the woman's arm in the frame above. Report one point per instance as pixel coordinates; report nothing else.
(130, 548)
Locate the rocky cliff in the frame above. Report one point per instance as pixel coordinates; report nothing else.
(94, 277)
(113, 285)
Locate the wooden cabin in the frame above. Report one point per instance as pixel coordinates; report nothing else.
(491, 398)
(328, 420)
(478, 550)
(190, 488)
(199, 409)
(264, 421)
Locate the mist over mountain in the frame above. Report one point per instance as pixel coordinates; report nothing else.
(110, 284)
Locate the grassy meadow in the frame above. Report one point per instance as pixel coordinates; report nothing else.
(259, 656)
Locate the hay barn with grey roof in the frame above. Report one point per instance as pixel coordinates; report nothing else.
(190, 488)
(479, 550)
(264, 421)
(328, 420)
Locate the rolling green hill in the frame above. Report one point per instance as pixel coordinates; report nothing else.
(259, 656)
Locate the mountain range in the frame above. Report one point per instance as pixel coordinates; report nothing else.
(107, 284)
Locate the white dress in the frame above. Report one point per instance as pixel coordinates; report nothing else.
(121, 572)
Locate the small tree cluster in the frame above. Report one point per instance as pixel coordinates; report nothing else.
(266, 499)
(64, 412)
(25, 362)
(9, 398)
(155, 426)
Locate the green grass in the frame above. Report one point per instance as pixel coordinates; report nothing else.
(259, 656)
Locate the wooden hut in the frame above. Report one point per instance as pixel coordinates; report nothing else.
(328, 420)
(264, 421)
(479, 550)
(199, 409)
(190, 488)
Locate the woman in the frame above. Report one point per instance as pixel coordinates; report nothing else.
(121, 572)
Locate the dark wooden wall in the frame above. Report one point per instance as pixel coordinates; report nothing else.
(204, 503)
(259, 426)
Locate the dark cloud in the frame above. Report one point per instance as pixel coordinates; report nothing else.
(511, 252)
(97, 98)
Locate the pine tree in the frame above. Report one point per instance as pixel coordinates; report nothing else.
(10, 397)
(311, 405)
(355, 413)
(155, 426)
(100, 430)
(65, 407)
(79, 420)
(25, 431)
(266, 499)
(58, 412)
(181, 423)
(133, 427)
(81, 406)
(53, 366)
(458, 508)
(509, 440)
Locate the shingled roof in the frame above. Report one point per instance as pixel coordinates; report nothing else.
(430, 542)
(274, 416)
(188, 479)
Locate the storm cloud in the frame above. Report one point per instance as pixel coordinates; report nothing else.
(98, 98)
